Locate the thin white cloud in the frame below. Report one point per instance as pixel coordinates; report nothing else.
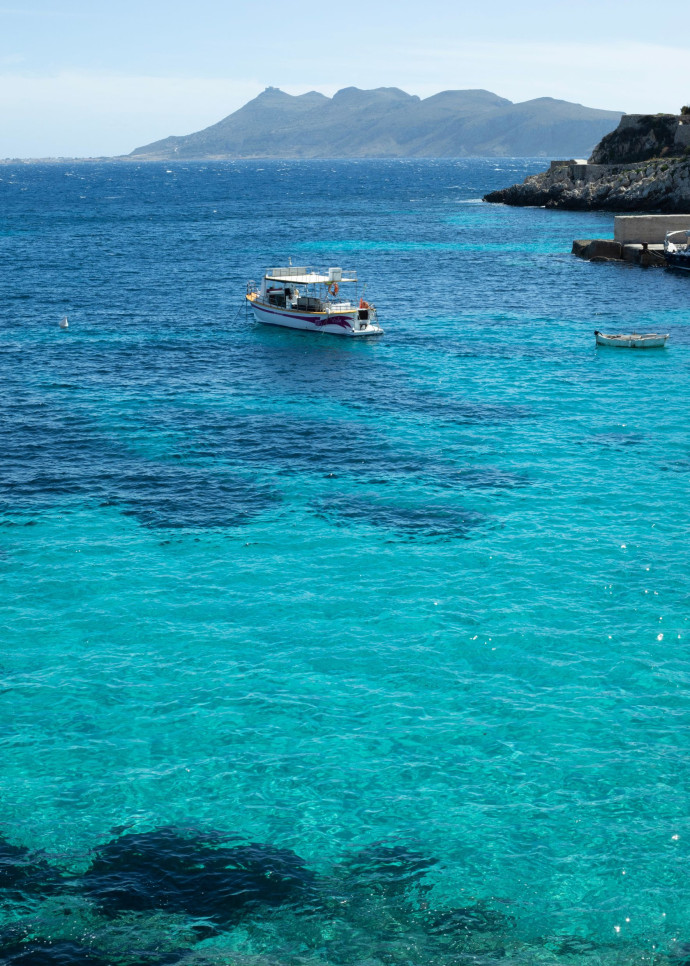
(75, 113)
(613, 76)
(88, 115)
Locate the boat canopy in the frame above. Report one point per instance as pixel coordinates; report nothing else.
(303, 276)
(680, 233)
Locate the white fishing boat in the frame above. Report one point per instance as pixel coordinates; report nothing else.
(304, 298)
(677, 249)
(633, 340)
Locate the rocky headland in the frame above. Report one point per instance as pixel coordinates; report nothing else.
(644, 165)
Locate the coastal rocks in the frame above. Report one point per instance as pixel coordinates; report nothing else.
(644, 165)
(656, 185)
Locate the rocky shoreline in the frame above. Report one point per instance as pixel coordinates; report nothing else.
(644, 165)
(657, 185)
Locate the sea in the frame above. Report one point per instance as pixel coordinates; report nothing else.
(337, 652)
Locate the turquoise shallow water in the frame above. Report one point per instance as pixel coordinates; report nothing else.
(425, 594)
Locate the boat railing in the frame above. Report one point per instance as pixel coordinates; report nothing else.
(290, 270)
(347, 275)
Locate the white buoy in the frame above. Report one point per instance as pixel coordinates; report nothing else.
(64, 324)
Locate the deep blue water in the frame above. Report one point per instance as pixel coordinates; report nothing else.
(321, 651)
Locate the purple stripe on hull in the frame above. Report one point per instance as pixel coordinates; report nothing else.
(340, 320)
(319, 321)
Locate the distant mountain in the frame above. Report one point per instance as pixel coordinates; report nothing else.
(388, 123)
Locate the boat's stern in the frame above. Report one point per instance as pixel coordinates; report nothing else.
(366, 322)
(367, 328)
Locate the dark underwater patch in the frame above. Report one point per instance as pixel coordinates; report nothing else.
(45, 953)
(51, 456)
(460, 923)
(193, 872)
(676, 466)
(24, 875)
(281, 441)
(616, 440)
(576, 946)
(485, 478)
(53, 453)
(423, 520)
(387, 869)
(679, 954)
(170, 496)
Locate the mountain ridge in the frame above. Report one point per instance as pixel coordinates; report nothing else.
(387, 122)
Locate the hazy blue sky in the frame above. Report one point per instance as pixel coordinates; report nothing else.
(85, 77)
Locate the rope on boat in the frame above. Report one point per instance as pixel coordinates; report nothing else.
(237, 314)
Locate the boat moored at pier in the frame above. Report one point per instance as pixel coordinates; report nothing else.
(677, 249)
(308, 299)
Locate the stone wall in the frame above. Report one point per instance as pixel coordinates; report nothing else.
(647, 229)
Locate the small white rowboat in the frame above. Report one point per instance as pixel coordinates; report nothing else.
(647, 340)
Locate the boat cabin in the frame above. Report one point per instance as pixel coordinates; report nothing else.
(303, 288)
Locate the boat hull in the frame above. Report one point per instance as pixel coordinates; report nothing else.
(341, 323)
(652, 340)
(678, 260)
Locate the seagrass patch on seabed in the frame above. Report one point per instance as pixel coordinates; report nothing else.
(168, 496)
(23, 873)
(185, 870)
(615, 440)
(48, 953)
(481, 478)
(435, 521)
(49, 458)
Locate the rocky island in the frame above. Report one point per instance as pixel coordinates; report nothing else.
(389, 123)
(644, 165)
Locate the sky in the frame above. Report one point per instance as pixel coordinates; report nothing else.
(87, 78)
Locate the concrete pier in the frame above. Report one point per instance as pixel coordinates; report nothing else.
(638, 239)
(649, 229)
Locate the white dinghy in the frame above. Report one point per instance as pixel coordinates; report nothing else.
(633, 340)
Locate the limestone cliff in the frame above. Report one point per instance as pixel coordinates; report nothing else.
(644, 165)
